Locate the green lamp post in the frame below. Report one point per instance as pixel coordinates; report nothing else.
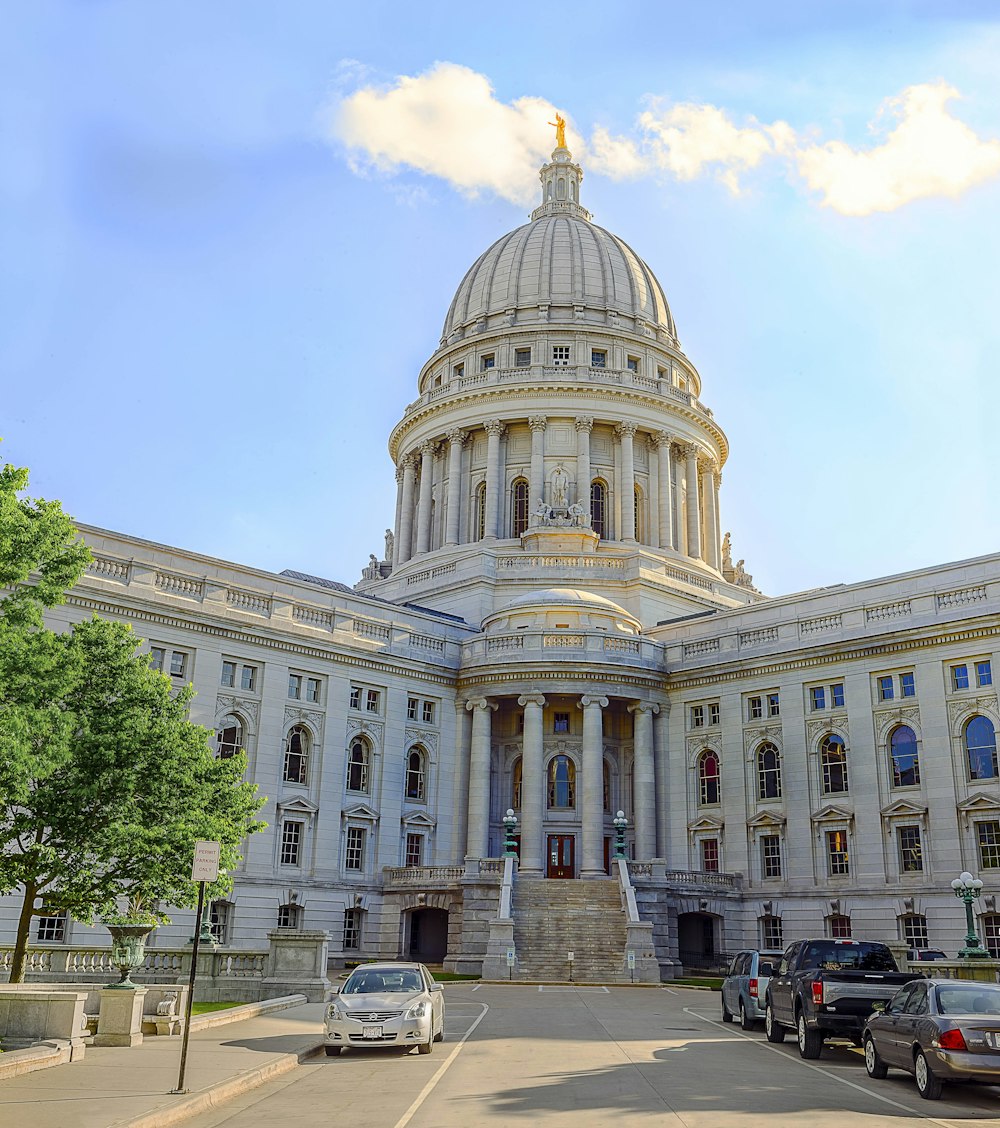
(620, 823)
(509, 829)
(967, 888)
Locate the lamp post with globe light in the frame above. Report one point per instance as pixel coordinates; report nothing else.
(967, 888)
(509, 827)
(620, 823)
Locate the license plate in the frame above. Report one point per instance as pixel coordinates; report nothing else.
(371, 1031)
(992, 1039)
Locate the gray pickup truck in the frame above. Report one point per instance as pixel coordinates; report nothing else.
(827, 988)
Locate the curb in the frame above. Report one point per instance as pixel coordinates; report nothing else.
(248, 1010)
(217, 1095)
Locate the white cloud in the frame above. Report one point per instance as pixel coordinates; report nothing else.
(928, 153)
(447, 122)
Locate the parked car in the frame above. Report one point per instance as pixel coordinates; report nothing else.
(926, 954)
(938, 1030)
(826, 988)
(745, 986)
(386, 1004)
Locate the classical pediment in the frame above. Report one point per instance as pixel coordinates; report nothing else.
(298, 805)
(706, 822)
(767, 818)
(418, 819)
(359, 811)
(904, 807)
(980, 803)
(832, 813)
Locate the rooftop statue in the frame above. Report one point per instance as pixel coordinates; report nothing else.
(560, 124)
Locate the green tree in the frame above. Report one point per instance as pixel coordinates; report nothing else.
(105, 784)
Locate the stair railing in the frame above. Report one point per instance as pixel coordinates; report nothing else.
(629, 906)
(506, 888)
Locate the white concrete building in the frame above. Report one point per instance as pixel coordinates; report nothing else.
(558, 628)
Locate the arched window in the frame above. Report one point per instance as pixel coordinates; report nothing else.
(981, 748)
(905, 760)
(518, 507)
(838, 926)
(296, 755)
(480, 511)
(768, 772)
(606, 779)
(708, 777)
(599, 508)
(833, 757)
(515, 788)
(638, 515)
(415, 774)
(913, 927)
(357, 766)
(562, 782)
(229, 737)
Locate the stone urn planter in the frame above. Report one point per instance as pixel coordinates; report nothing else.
(128, 949)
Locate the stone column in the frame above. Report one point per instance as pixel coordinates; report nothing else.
(584, 425)
(666, 531)
(424, 502)
(460, 783)
(693, 503)
(405, 538)
(494, 429)
(399, 510)
(456, 438)
(532, 786)
(716, 486)
(643, 781)
(592, 791)
(478, 827)
(711, 519)
(660, 767)
(625, 433)
(536, 487)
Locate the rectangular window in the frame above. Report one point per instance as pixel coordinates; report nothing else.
(487, 361)
(522, 358)
(219, 918)
(458, 370)
(428, 713)
(248, 678)
(755, 709)
(178, 663)
(157, 658)
(770, 855)
(560, 355)
(770, 933)
(355, 697)
(291, 842)
(960, 677)
(228, 678)
(412, 704)
(697, 716)
(560, 722)
(354, 858)
(371, 701)
(991, 933)
(989, 844)
(818, 695)
(885, 689)
(915, 930)
(312, 690)
(632, 364)
(839, 927)
(773, 705)
(838, 862)
(713, 713)
(984, 673)
(598, 358)
(837, 695)
(911, 859)
(907, 687)
(295, 687)
(352, 929)
(51, 927)
(414, 850)
(710, 855)
(289, 916)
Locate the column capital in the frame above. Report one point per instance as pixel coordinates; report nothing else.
(400, 470)
(644, 707)
(532, 699)
(428, 448)
(537, 422)
(494, 427)
(663, 439)
(589, 699)
(474, 703)
(410, 461)
(691, 450)
(626, 428)
(717, 475)
(456, 436)
(708, 464)
(584, 423)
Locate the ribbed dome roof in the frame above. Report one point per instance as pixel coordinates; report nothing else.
(558, 260)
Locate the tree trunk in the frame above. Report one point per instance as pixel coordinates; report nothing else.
(20, 957)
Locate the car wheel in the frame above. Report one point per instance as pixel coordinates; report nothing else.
(426, 1047)
(774, 1031)
(333, 1051)
(875, 1066)
(810, 1041)
(928, 1086)
(727, 1014)
(746, 1022)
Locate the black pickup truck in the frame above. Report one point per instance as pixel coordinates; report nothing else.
(827, 988)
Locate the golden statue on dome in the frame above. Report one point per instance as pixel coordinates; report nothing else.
(560, 124)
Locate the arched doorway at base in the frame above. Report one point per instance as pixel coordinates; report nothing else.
(428, 935)
(697, 940)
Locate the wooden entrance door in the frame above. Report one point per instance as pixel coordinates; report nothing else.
(561, 856)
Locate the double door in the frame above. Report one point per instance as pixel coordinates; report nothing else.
(561, 855)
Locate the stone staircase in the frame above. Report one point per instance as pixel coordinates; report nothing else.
(554, 917)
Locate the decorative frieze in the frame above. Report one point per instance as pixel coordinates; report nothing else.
(229, 702)
(427, 737)
(363, 727)
(834, 722)
(886, 612)
(886, 719)
(960, 598)
(961, 707)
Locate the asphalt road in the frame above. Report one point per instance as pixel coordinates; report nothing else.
(592, 1058)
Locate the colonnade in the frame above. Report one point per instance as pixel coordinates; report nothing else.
(687, 481)
(589, 786)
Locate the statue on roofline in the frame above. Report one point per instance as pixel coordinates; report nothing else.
(560, 124)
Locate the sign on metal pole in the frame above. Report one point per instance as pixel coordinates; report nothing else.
(511, 955)
(206, 861)
(631, 960)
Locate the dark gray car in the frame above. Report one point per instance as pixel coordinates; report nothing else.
(745, 986)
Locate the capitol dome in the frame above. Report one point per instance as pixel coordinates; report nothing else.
(559, 267)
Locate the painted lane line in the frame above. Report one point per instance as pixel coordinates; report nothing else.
(477, 986)
(426, 1091)
(819, 1069)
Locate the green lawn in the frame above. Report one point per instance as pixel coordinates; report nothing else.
(715, 982)
(207, 1008)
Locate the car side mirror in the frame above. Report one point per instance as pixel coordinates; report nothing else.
(437, 986)
(880, 1008)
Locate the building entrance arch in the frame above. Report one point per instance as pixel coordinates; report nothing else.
(697, 939)
(428, 935)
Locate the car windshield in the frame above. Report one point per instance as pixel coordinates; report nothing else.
(382, 982)
(850, 957)
(968, 999)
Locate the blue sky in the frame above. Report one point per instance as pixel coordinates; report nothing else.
(232, 231)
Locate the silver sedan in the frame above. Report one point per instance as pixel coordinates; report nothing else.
(386, 1004)
(939, 1030)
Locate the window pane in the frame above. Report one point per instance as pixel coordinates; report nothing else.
(903, 752)
(981, 748)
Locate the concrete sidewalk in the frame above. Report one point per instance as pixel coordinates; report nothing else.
(130, 1088)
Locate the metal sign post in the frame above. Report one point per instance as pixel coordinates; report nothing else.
(204, 869)
(631, 965)
(511, 957)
